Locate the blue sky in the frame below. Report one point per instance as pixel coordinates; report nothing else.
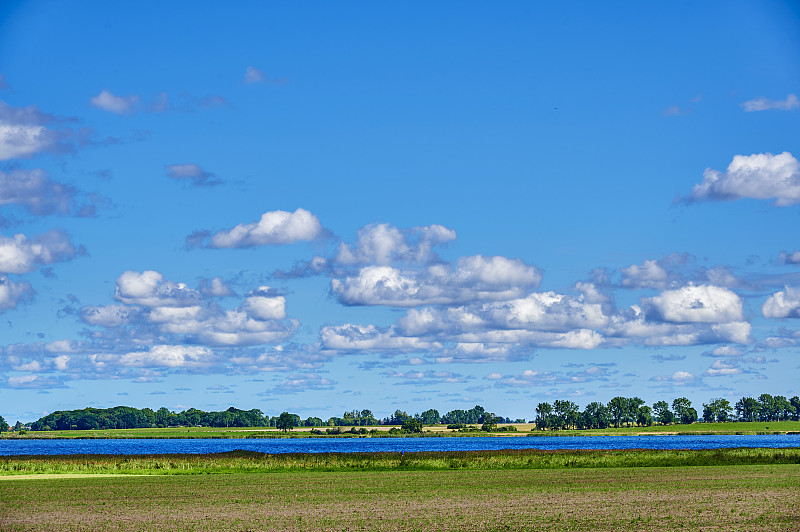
(412, 206)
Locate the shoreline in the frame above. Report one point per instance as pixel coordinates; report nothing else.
(269, 435)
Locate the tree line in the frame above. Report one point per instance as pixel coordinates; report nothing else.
(126, 417)
(627, 411)
(560, 415)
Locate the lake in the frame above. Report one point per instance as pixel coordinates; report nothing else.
(360, 445)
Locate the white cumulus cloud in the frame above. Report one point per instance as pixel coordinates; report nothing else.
(215, 287)
(149, 289)
(157, 310)
(19, 254)
(274, 228)
(723, 368)
(546, 311)
(696, 304)
(783, 304)
(11, 293)
(106, 316)
(350, 337)
(757, 176)
(473, 278)
(25, 131)
(265, 307)
(384, 244)
(169, 356)
(649, 274)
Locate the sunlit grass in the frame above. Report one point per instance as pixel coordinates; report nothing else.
(255, 462)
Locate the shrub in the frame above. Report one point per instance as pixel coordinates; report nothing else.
(412, 425)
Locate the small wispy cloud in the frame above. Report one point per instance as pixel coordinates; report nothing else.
(34, 191)
(676, 110)
(192, 173)
(765, 104)
(161, 103)
(301, 382)
(121, 105)
(254, 75)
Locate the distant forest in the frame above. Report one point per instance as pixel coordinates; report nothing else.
(560, 415)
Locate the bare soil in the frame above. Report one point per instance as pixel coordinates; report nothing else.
(696, 498)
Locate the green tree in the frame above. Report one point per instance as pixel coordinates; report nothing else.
(747, 409)
(3, 424)
(398, 418)
(768, 409)
(662, 412)
(489, 422)
(412, 425)
(717, 410)
(566, 413)
(313, 422)
(644, 416)
(618, 409)
(367, 418)
(163, 417)
(784, 408)
(595, 416)
(431, 417)
(286, 421)
(632, 412)
(684, 411)
(544, 415)
(795, 402)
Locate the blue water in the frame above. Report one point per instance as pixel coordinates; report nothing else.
(358, 445)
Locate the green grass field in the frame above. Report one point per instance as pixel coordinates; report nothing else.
(523, 429)
(235, 462)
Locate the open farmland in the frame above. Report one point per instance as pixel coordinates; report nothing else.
(738, 489)
(711, 498)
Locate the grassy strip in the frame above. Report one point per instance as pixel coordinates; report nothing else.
(254, 462)
(524, 429)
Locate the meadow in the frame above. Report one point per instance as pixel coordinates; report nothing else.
(522, 429)
(237, 462)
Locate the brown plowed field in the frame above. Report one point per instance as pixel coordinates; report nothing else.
(694, 498)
